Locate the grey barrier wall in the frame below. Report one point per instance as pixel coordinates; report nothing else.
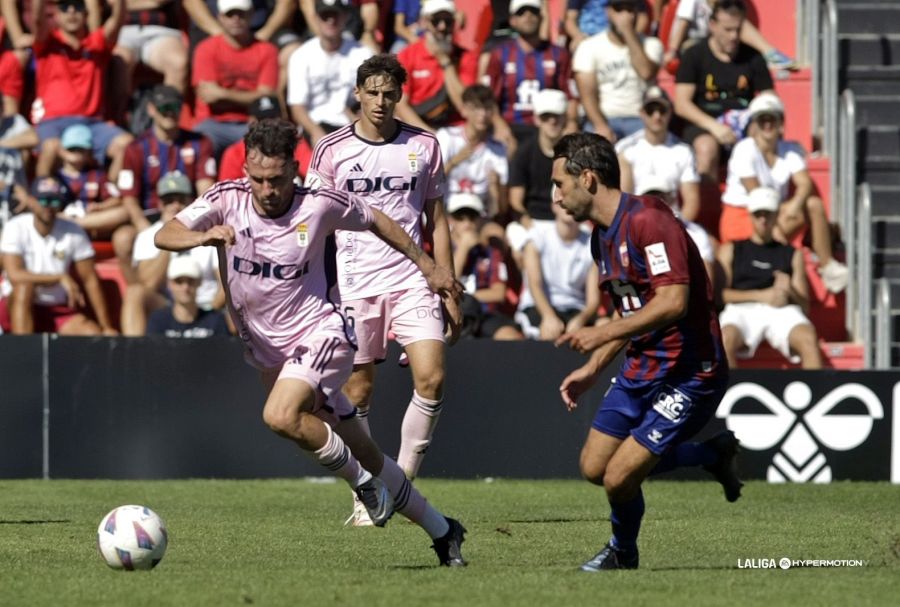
(157, 408)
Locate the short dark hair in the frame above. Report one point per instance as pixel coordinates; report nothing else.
(735, 7)
(478, 95)
(384, 63)
(273, 137)
(589, 151)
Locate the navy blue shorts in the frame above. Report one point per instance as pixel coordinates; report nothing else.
(659, 414)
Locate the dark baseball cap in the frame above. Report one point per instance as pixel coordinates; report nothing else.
(264, 107)
(164, 94)
(50, 188)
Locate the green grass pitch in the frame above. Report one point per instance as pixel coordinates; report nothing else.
(282, 542)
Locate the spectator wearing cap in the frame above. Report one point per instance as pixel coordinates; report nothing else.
(231, 70)
(70, 80)
(275, 21)
(96, 205)
(184, 318)
(765, 291)
(561, 292)
(653, 153)
(474, 161)
(521, 66)
(39, 252)
(665, 188)
(612, 71)
(481, 268)
(17, 138)
(321, 74)
(264, 108)
(765, 159)
(529, 171)
(147, 293)
(715, 78)
(438, 69)
(368, 22)
(161, 149)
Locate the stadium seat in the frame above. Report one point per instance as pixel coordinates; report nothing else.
(795, 91)
(777, 21)
(114, 285)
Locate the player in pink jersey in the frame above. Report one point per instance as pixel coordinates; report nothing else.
(276, 251)
(397, 169)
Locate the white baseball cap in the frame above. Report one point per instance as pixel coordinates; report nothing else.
(183, 265)
(515, 5)
(432, 7)
(765, 103)
(654, 183)
(465, 200)
(226, 6)
(763, 199)
(550, 101)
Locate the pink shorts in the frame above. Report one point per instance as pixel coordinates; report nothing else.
(326, 366)
(411, 315)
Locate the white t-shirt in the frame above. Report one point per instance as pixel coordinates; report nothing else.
(747, 161)
(473, 174)
(206, 257)
(565, 267)
(619, 85)
(672, 161)
(697, 12)
(323, 82)
(66, 244)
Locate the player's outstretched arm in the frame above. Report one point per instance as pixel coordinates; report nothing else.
(440, 279)
(583, 378)
(175, 236)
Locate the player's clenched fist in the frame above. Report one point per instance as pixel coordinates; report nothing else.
(218, 235)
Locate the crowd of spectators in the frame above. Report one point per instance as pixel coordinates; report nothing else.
(117, 113)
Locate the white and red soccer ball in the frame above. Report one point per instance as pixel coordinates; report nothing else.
(132, 537)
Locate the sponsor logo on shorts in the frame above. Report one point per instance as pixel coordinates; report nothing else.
(671, 405)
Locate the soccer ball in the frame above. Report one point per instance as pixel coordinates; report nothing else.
(132, 537)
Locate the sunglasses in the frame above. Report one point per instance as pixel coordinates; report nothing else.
(237, 13)
(169, 108)
(654, 108)
(466, 215)
(623, 7)
(172, 199)
(53, 203)
(65, 5)
(527, 9)
(442, 18)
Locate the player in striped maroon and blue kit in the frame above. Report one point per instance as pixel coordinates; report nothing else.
(675, 371)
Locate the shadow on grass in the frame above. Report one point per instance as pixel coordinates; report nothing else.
(35, 522)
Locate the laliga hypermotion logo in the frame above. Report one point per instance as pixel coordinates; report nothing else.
(800, 428)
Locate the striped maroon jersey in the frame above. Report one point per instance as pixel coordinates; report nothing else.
(643, 249)
(516, 76)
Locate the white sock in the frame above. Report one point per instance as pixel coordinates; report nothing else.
(415, 434)
(410, 503)
(336, 457)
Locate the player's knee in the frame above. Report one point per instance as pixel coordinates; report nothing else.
(618, 484)
(431, 383)
(591, 471)
(283, 420)
(358, 392)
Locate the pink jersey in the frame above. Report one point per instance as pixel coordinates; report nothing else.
(396, 177)
(279, 273)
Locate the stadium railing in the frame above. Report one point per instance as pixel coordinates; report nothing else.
(883, 324)
(843, 205)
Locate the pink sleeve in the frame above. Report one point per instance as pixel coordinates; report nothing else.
(663, 242)
(344, 211)
(205, 212)
(436, 178)
(321, 169)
